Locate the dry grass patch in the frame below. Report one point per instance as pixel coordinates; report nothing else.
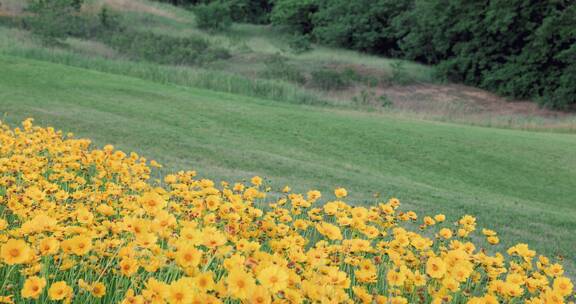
(130, 6)
(12, 7)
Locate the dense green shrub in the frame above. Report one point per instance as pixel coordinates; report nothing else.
(277, 67)
(215, 16)
(545, 67)
(299, 43)
(363, 25)
(516, 48)
(251, 11)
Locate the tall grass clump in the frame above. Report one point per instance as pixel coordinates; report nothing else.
(278, 67)
(163, 49)
(213, 16)
(329, 80)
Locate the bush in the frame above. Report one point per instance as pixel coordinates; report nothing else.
(329, 80)
(165, 49)
(277, 67)
(364, 25)
(300, 43)
(53, 20)
(251, 11)
(108, 19)
(399, 74)
(294, 15)
(214, 16)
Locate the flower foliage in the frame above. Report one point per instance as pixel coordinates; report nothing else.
(87, 225)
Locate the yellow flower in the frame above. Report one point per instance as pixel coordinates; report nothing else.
(33, 287)
(395, 277)
(259, 295)
(313, 195)
(435, 267)
(15, 252)
(398, 300)
(513, 290)
(563, 286)
(152, 202)
(155, 291)
(34, 193)
(81, 245)
(362, 294)
(188, 256)
(205, 281)
(213, 238)
(367, 272)
(49, 246)
(493, 240)
(428, 221)
(300, 224)
(440, 218)
(130, 298)
(128, 266)
(340, 192)
(330, 231)
(274, 278)
(180, 292)
(553, 297)
(98, 290)
(240, 284)
(256, 181)
(84, 216)
(555, 270)
(419, 279)
(445, 233)
(59, 290)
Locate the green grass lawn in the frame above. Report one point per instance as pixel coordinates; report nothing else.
(520, 183)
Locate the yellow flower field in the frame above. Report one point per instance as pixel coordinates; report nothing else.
(86, 225)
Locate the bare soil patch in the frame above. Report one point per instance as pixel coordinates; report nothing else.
(449, 99)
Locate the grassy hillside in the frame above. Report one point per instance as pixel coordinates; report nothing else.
(262, 64)
(520, 183)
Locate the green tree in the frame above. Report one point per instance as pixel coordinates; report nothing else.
(295, 15)
(364, 25)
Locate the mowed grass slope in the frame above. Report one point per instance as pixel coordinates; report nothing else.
(520, 183)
